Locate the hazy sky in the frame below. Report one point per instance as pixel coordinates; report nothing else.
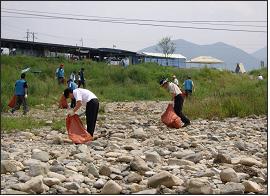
(135, 37)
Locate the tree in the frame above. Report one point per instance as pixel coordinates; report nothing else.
(166, 46)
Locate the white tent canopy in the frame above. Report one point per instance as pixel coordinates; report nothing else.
(205, 60)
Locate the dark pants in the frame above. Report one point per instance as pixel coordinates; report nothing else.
(178, 106)
(60, 80)
(73, 103)
(188, 92)
(81, 83)
(20, 100)
(91, 115)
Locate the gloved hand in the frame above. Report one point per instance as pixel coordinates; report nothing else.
(25, 95)
(70, 112)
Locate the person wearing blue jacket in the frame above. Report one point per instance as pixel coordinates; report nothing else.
(72, 85)
(188, 86)
(60, 74)
(21, 90)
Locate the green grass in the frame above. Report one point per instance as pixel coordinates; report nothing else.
(9, 124)
(217, 93)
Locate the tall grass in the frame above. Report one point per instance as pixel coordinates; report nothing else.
(217, 93)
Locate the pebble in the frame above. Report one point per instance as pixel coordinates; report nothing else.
(135, 153)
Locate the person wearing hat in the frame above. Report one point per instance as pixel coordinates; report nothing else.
(88, 98)
(175, 81)
(176, 93)
(60, 74)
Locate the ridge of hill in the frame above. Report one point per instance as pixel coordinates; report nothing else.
(229, 54)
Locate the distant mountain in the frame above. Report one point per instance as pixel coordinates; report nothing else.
(261, 54)
(227, 53)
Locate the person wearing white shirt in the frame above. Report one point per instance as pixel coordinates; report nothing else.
(176, 93)
(88, 98)
(175, 81)
(260, 77)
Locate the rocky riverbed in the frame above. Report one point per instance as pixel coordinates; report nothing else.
(134, 153)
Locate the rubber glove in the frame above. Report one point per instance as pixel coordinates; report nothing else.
(70, 112)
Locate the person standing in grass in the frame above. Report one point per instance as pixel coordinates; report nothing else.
(176, 93)
(60, 74)
(72, 85)
(88, 98)
(21, 90)
(175, 81)
(73, 76)
(82, 81)
(189, 86)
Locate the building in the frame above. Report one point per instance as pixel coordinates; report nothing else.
(39, 49)
(176, 60)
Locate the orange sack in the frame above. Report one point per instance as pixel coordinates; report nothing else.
(170, 118)
(12, 102)
(76, 131)
(63, 102)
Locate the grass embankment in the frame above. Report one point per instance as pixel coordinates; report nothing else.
(217, 93)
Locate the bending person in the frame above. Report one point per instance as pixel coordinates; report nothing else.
(84, 97)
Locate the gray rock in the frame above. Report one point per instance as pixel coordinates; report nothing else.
(195, 158)
(111, 188)
(164, 178)
(222, 158)
(22, 176)
(249, 161)
(229, 175)
(125, 158)
(148, 192)
(38, 169)
(134, 177)
(240, 145)
(72, 185)
(180, 162)
(4, 155)
(232, 188)
(91, 169)
(51, 181)
(40, 155)
(11, 166)
(83, 148)
(181, 154)
(139, 133)
(14, 192)
(56, 175)
(152, 157)
(199, 186)
(252, 187)
(99, 184)
(35, 185)
(138, 164)
(105, 170)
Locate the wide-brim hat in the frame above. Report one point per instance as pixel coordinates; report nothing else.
(163, 81)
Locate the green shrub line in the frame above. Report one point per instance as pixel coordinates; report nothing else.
(217, 93)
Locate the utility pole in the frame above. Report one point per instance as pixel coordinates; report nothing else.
(27, 34)
(33, 36)
(81, 41)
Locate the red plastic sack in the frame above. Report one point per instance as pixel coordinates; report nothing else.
(170, 118)
(63, 102)
(76, 131)
(12, 102)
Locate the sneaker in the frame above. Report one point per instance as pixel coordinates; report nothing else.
(186, 124)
